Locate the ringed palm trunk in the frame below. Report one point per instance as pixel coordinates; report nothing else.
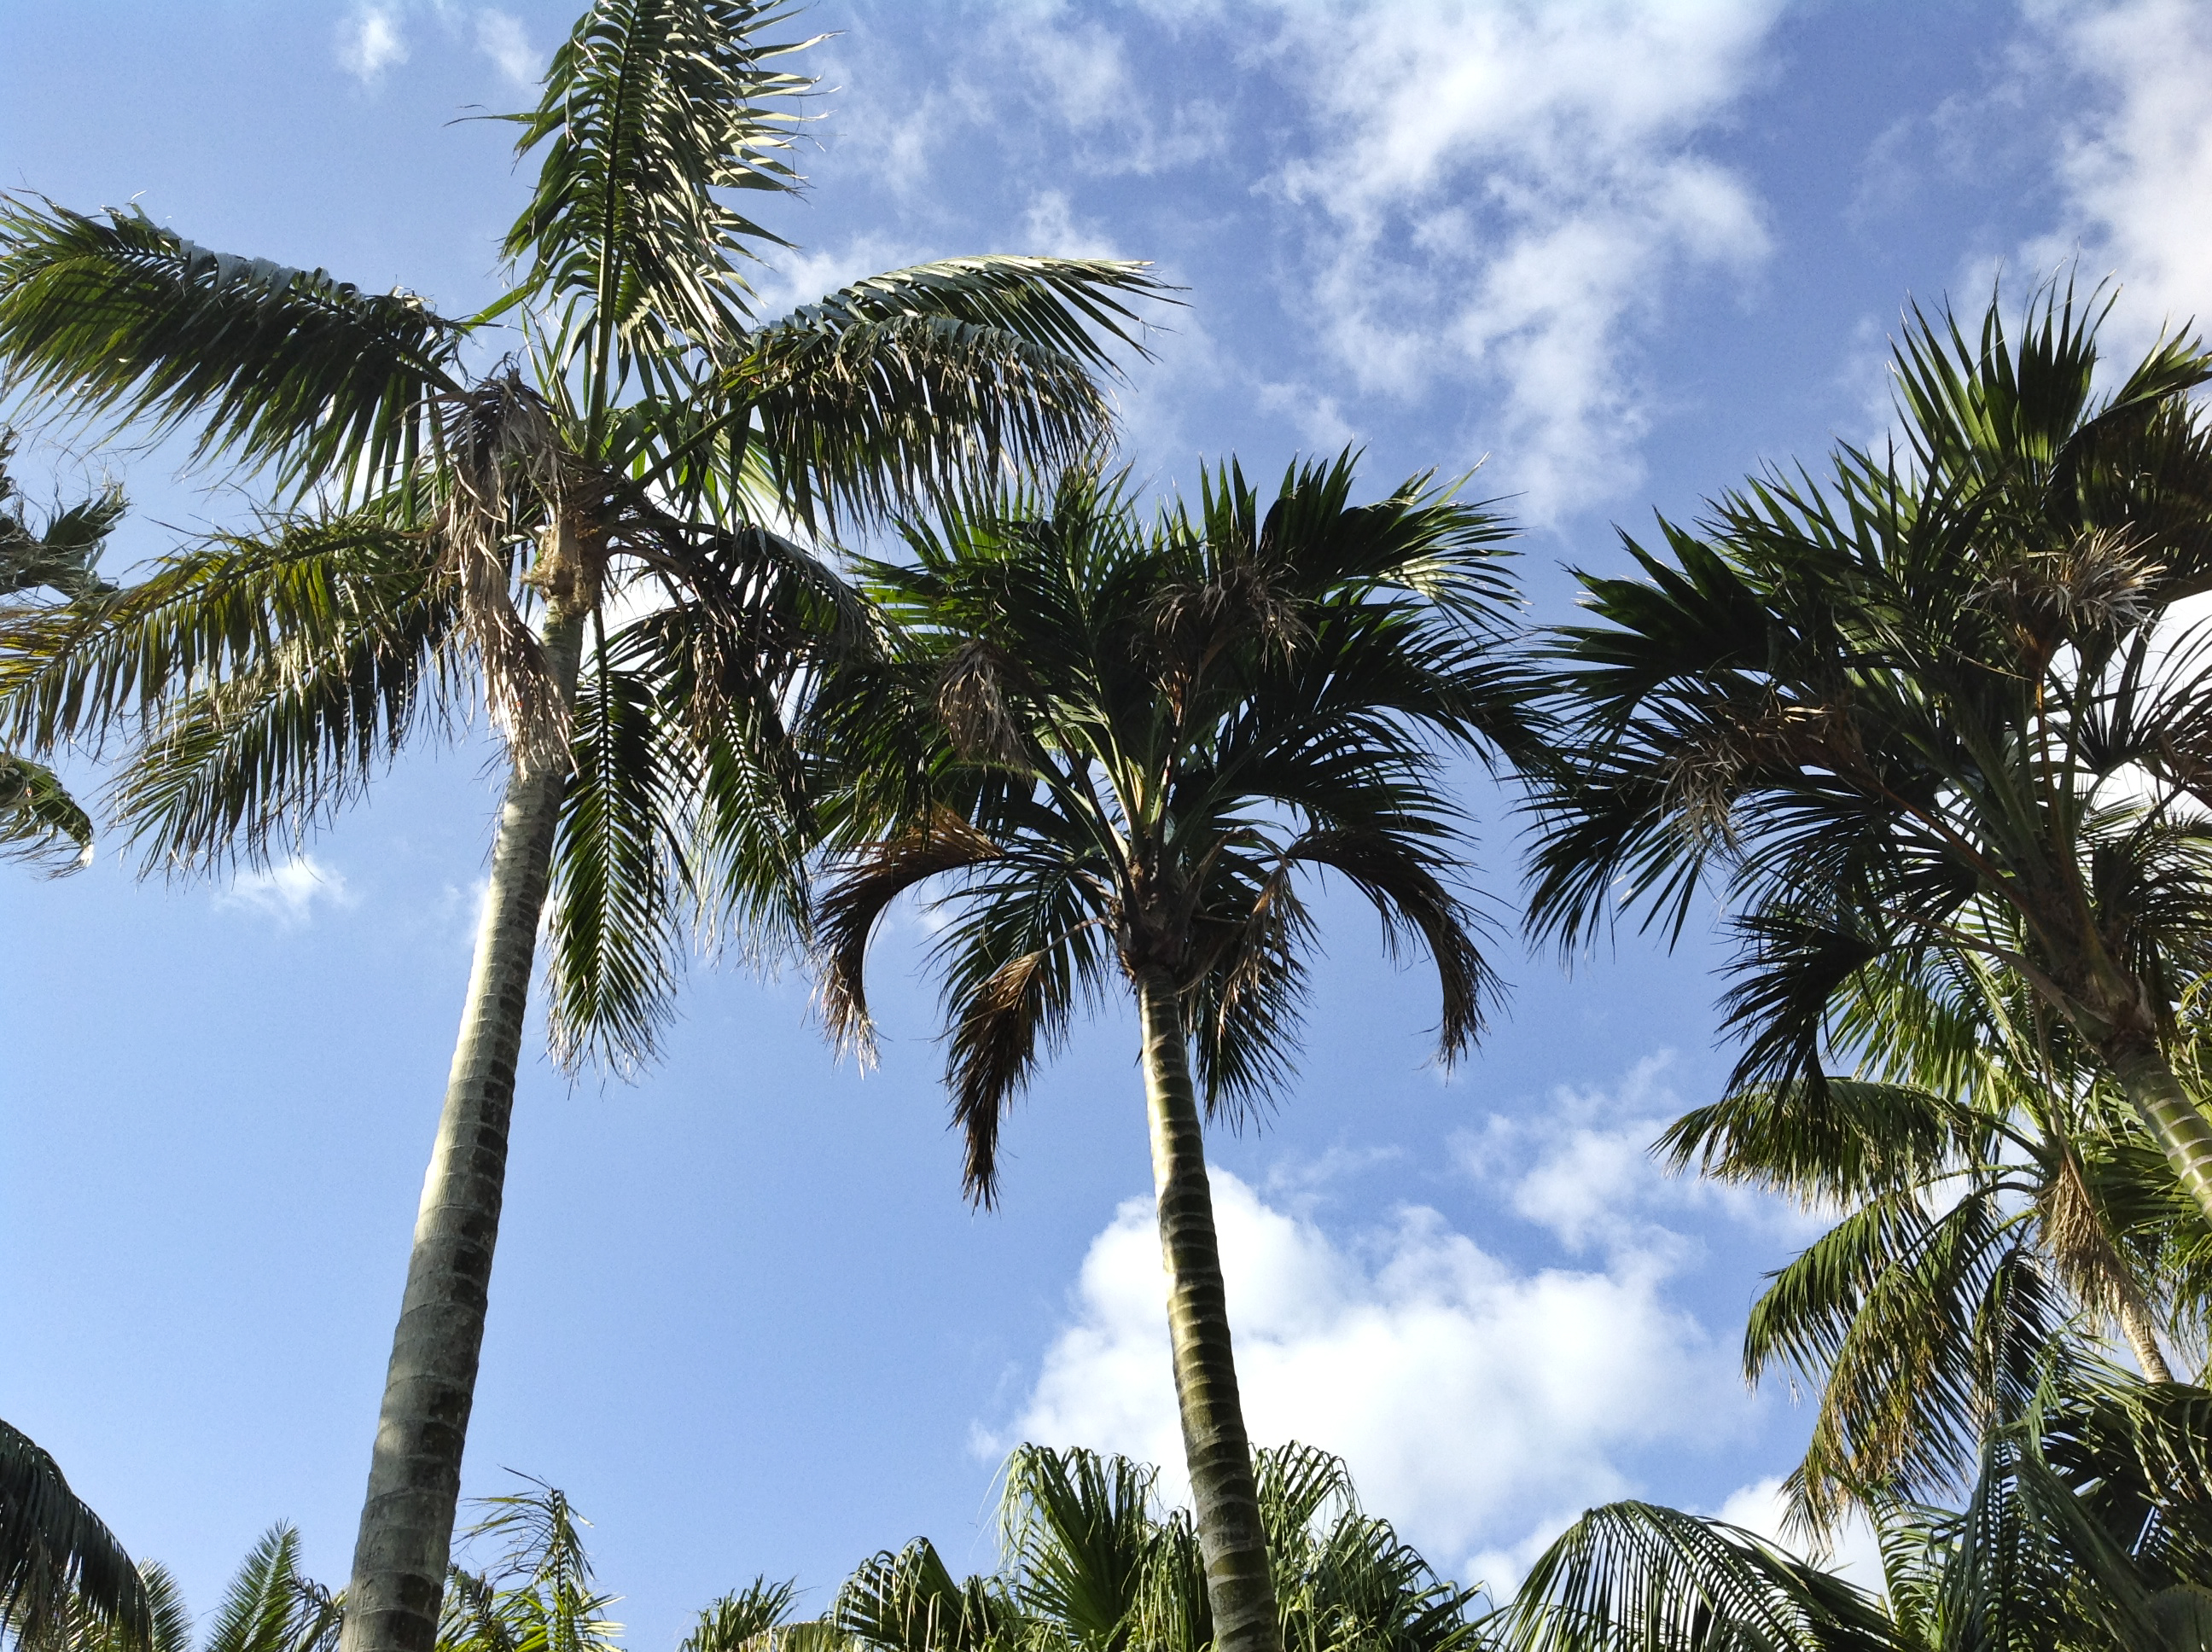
(1239, 1584)
(414, 1471)
(2174, 1120)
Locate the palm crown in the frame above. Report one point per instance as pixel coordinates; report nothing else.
(1934, 710)
(1127, 743)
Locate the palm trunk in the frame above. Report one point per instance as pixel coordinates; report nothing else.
(2175, 1121)
(1239, 1585)
(2142, 1332)
(415, 1471)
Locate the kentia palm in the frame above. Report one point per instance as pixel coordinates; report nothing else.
(1933, 709)
(1123, 745)
(646, 445)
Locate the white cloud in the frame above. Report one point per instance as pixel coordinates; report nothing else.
(1583, 1169)
(1051, 229)
(2134, 158)
(370, 42)
(1758, 1507)
(1471, 1398)
(289, 894)
(500, 37)
(1526, 172)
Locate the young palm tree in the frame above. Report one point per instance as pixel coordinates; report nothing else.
(1940, 708)
(1122, 748)
(1090, 1562)
(39, 821)
(437, 528)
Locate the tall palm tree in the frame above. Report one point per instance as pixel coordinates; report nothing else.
(59, 1564)
(1122, 747)
(39, 821)
(1942, 707)
(443, 526)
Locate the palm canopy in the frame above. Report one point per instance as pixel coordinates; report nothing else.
(2085, 1530)
(627, 472)
(1122, 743)
(61, 1569)
(1092, 1560)
(1940, 707)
(1996, 1202)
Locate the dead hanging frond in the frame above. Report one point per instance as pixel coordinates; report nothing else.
(1240, 609)
(2102, 584)
(1705, 774)
(2092, 1266)
(973, 704)
(502, 466)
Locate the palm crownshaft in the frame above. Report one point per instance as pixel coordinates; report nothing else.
(436, 537)
(1126, 745)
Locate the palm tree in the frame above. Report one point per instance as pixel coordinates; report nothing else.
(1122, 747)
(59, 1564)
(1090, 1561)
(39, 821)
(438, 530)
(1994, 1198)
(1939, 708)
(2088, 1529)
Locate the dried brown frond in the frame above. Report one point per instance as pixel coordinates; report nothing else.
(972, 703)
(2101, 583)
(1706, 775)
(993, 1049)
(2092, 1267)
(503, 466)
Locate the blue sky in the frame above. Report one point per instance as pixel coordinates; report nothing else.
(1618, 253)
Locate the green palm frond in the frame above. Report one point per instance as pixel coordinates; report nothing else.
(39, 821)
(57, 1559)
(1078, 1531)
(754, 1618)
(271, 679)
(271, 1606)
(911, 1602)
(119, 318)
(932, 383)
(653, 111)
(1636, 1578)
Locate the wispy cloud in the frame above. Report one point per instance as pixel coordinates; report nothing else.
(1513, 188)
(370, 42)
(289, 894)
(501, 38)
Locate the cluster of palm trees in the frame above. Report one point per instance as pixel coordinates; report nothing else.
(1933, 729)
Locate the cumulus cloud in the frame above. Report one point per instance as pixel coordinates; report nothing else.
(289, 894)
(2134, 161)
(370, 42)
(1473, 1400)
(1527, 173)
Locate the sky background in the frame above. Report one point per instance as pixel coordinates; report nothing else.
(1616, 254)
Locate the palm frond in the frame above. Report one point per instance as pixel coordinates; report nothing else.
(58, 1557)
(39, 821)
(118, 318)
(928, 384)
(653, 111)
